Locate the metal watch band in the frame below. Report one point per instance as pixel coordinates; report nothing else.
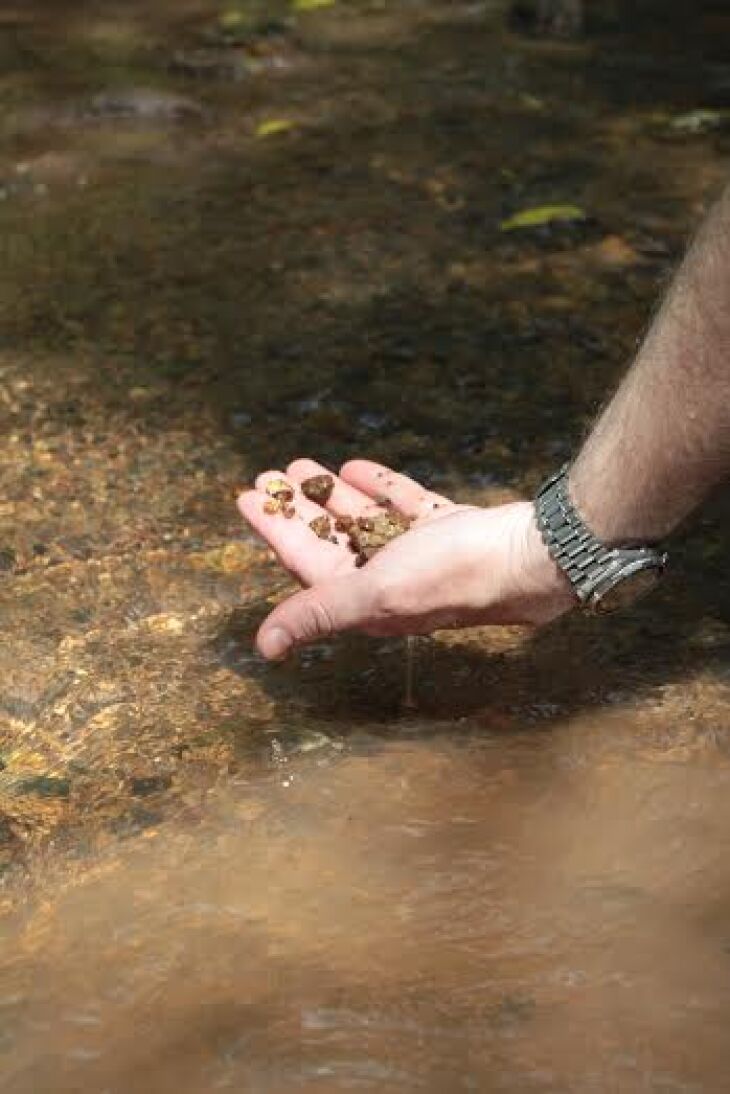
(590, 566)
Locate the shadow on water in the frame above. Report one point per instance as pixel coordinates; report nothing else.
(670, 641)
(371, 229)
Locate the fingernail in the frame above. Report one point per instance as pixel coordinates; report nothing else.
(275, 644)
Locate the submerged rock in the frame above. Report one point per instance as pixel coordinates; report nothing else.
(143, 104)
(212, 64)
(248, 28)
(7, 559)
(144, 785)
(7, 836)
(698, 122)
(548, 18)
(43, 786)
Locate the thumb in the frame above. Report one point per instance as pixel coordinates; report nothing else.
(340, 605)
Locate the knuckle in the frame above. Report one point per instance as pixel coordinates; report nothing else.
(301, 464)
(316, 619)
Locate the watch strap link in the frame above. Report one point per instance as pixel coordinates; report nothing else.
(590, 566)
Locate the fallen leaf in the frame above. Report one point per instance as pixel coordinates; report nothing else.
(311, 5)
(229, 20)
(273, 126)
(543, 215)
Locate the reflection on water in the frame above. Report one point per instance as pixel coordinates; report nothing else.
(442, 914)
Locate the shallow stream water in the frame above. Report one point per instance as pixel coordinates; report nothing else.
(448, 913)
(222, 254)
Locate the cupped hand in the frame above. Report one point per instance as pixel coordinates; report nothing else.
(456, 566)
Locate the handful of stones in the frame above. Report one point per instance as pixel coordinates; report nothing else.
(365, 535)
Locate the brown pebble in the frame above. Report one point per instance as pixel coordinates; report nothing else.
(272, 507)
(318, 488)
(344, 523)
(321, 526)
(280, 489)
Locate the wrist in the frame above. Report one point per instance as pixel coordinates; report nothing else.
(588, 492)
(604, 578)
(546, 588)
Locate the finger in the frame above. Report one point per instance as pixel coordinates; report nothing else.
(305, 509)
(334, 606)
(345, 500)
(404, 493)
(300, 550)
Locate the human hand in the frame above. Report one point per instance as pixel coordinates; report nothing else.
(456, 566)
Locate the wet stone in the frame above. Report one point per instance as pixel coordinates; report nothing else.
(280, 490)
(367, 535)
(142, 104)
(7, 559)
(77, 547)
(699, 122)
(136, 820)
(318, 488)
(280, 497)
(250, 31)
(322, 526)
(211, 64)
(547, 18)
(43, 786)
(144, 785)
(7, 836)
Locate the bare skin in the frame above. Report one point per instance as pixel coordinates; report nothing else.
(663, 442)
(659, 448)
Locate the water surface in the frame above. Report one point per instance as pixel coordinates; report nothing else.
(448, 914)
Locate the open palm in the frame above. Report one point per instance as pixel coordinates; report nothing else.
(457, 565)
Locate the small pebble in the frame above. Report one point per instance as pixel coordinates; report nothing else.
(318, 488)
(280, 489)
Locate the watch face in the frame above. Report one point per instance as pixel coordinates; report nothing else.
(628, 589)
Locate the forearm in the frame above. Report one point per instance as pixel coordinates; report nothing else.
(664, 440)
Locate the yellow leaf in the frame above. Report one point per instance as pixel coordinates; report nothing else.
(542, 215)
(311, 5)
(229, 20)
(273, 126)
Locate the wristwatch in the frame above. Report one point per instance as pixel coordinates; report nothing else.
(603, 578)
